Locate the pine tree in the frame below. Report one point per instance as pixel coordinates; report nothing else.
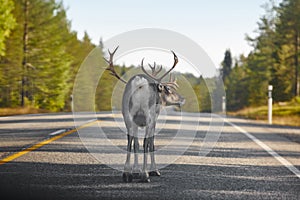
(288, 29)
(79, 50)
(48, 32)
(237, 86)
(226, 64)
(261, 61)
(37, 64)
(7, 22)
(11, 63)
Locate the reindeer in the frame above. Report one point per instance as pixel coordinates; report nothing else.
(142, 98)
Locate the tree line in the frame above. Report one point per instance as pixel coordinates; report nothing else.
(274, 60)
(40, 56)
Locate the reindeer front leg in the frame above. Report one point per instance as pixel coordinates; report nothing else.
(153, 169)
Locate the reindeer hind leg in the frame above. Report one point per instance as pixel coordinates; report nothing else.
(136, 171)
(127, 175)
(145, 174)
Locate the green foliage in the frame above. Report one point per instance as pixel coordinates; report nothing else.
(7, 22)
(42, 56)
(297, 100)
(236, 91)
(203, 94)
(273, 60)
(11, 63)
(287, 113)
(288, 29)
(260, 62)
(104, 91)
(47, 53)
(46, 69)
(195, 90)
(78, 50)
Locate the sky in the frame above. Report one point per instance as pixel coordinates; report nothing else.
(215, 25)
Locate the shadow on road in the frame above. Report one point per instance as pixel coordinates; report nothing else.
(225, 180)
(73, 181)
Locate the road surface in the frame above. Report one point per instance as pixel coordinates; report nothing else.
(42, 156)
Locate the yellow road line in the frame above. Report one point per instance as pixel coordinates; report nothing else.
(38, 145)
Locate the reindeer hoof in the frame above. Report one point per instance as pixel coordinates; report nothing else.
(154, 173)
(136, 175)
(145, 178)
(127, 177)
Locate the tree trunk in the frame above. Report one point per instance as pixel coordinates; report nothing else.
(297, 83)
(25, 45)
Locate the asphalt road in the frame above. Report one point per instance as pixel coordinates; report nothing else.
(43, 157)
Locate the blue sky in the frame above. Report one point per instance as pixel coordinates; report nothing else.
(215, 25)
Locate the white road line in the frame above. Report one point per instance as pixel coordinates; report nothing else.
(57, 132)
(282, 160)
(90, 121)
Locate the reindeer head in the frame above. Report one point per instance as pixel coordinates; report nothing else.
(169, 95)
(167, 90)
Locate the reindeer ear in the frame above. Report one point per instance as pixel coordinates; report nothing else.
(160, 87)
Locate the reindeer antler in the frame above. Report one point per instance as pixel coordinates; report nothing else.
(111, 65)
(175, 63)
(155, 72)
(172, 83)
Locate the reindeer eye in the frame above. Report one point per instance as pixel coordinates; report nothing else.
(160, 87)
(168, 89)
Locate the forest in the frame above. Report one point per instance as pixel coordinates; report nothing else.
(40, 55)
(274, 60)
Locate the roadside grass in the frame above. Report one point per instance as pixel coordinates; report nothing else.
(287, 113)
(20, 111)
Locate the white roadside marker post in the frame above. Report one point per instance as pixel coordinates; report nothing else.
(270, 101)
(224, 105)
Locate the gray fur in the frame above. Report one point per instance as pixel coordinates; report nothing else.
(140, 108)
